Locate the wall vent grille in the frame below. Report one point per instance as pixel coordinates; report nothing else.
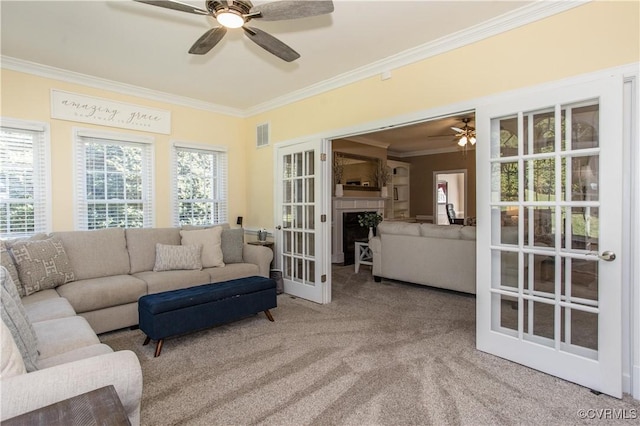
(262, 135)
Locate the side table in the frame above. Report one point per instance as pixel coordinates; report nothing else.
(363, 255)
(98, 407)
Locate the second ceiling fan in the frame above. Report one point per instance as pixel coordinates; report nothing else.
(237, 13)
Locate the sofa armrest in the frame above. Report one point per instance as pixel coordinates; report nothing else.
(27, 392)
(258, 255)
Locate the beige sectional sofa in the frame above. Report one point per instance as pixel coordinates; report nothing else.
(441, 256)
(50, 348)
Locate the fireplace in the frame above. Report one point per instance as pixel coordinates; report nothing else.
(352, 232)
(342, 205)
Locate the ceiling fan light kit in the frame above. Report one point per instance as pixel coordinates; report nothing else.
(237, 13)
(466, 134)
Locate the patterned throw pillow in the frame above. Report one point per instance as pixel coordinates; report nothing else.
(7, 262)
(15, 318)
(170, 257)
(41, 264)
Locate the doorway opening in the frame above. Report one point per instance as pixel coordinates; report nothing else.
(450, 187)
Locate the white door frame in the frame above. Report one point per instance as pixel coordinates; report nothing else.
(631, 273)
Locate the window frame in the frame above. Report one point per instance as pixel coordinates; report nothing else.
(223, 177)
(42, 175)
(147, 143)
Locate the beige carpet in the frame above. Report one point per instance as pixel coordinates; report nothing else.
(380, 354)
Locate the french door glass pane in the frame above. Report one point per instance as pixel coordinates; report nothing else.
(544, 226)
(298, 186)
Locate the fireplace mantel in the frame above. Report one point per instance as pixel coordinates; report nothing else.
(349, 204)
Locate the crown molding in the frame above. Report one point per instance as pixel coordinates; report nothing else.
(46, 71)
(506, 22)
(500, 24)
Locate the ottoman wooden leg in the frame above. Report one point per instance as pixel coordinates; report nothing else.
(146, 341)
(158, 348)
(268, 314)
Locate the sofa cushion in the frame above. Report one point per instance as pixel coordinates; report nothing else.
(169, 257)
(74, 355)
(11, 363)
(98, 253)
(468, 233)
(232, 271)
(399, 228)
(16, 320)
(210, 240)
(451, 232)
(232, 245)
(141, 244)
(42, 264)
(104, 292)
(61, 335)
(170, 280)
(49, 309)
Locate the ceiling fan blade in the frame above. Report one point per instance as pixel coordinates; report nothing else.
(291, 9)
(175, 5)
(457, 129)
(208, 41)
(271, 44)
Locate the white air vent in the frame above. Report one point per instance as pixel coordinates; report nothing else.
(262, 135)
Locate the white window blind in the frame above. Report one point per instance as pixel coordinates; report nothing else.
(24, 170)
(114, 181)
(199, 179)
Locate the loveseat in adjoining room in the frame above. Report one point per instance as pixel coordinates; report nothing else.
(441, 256)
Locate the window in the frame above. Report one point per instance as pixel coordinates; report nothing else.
(24, 173)
(199, 184)
(114, 180)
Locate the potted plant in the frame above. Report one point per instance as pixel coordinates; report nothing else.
(370, 220)
(381, 177)
(338, 173)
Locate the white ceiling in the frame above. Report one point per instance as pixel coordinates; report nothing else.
(146, 46)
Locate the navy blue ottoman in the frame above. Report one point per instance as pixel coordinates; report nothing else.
(175, 312)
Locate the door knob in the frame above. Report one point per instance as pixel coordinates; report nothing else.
(278, 227)
(609, 256)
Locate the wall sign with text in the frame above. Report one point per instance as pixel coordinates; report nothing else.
(105, 112)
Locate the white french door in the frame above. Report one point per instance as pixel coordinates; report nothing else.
(300, 223)
(549, 227)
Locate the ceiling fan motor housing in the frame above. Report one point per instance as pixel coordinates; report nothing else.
(239, 6)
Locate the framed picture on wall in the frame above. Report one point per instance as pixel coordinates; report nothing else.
(442, 192)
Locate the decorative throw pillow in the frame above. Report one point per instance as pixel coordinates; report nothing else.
(15, 318)
(41, 264)
(210, 240)
(7, 261)
(232, 245)
(170, 257)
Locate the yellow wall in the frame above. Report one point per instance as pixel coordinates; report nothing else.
(27, 97)
(587, 38)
